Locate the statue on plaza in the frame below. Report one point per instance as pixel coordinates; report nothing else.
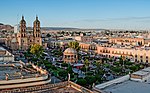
(6, 76)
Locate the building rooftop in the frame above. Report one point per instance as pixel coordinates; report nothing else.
(1, 48)
(128, 87)
(142, 72)
(14, 70)
(62, 87)
(128, 84)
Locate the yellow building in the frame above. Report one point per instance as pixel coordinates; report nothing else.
(136, 54)
(127, 41)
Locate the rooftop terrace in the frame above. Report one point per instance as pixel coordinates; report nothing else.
(15, 71)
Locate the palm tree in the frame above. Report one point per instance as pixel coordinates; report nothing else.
(98, 65)
(74, 45)
(86, 63)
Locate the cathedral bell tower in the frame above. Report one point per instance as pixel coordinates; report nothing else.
(36, 28)
(23, 27)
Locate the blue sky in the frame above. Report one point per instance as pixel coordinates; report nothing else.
(111, 14)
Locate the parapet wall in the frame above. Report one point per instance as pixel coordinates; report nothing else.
(115, 81)
(24, 82)
(43, 78)
(2, 82)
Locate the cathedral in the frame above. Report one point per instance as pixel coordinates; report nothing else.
(23, 40)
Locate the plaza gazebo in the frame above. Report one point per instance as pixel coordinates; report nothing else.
(70, 55)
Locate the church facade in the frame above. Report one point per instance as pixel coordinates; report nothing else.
(23, 40)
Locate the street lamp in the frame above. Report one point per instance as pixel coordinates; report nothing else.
(123, 59)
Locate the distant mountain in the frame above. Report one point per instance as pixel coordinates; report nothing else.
(6, 27)
(67, 28)
(1, 24)
(57, 28)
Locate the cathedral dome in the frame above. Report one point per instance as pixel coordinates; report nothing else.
(70, 51)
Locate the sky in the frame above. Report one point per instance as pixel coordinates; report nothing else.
(103, 14)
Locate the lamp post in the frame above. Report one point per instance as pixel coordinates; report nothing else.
(123, 59)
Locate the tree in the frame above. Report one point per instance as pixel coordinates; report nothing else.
(82, 82)
(86, 63)
(69, 69)
(83, 69)
(63, 73)
(116, 69)
(90, 79)
(64, 65)
(27, 54)
(36, 50)
(99, 69)
(74, 45)
(48, 35)
(134, 67)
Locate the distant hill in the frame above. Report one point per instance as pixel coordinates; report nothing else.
(67, 28)
(1, 24)
(58, 28)
(6, 27)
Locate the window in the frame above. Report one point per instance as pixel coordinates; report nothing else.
(112, 52)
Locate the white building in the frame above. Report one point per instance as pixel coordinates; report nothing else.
(16, 28)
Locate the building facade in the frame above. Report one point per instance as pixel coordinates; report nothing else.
(23, 40)
(136, 54)
(70, 55)
(127, 41)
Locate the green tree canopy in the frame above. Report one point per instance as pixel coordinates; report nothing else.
(90, 79)
(81, 82)
(63, 73)
(48, 35)
(75, 45)
(36, 50)
(86, 63)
